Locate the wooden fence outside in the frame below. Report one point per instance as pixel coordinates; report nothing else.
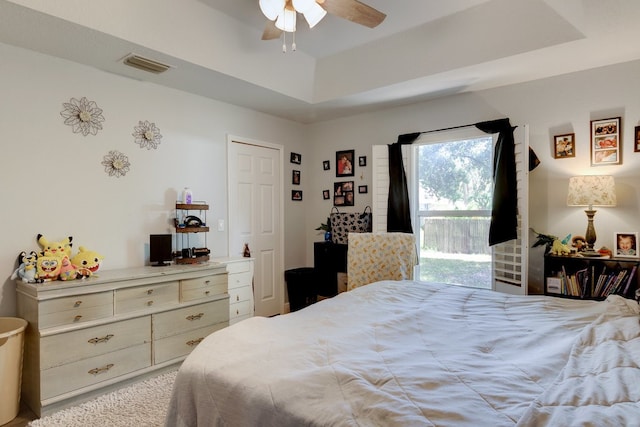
(456, 235)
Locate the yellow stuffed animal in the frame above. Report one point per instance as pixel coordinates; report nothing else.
(59, 249)
(87, 262)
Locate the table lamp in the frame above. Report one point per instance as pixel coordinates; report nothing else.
(591, 190)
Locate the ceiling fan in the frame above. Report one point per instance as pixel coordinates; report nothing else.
(282, 14)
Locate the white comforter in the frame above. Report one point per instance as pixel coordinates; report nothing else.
(417, 354)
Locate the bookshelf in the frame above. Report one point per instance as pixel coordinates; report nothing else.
(590, 278)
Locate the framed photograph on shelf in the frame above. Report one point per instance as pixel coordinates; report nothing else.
(636, 144)
(343, 193)
(605, 142)
(564, 146)
(326, 165)
(626, 244)
(295, 177)
(344, 163)
(296, 158)
(363, 189)
(326, 195)
(296, 195)
(362, 161)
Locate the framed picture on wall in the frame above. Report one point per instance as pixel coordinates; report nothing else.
(344, 163)
(296, 195)
(326, 195)
(564, 146)
(605, 142)
(636, 145)
(295, 177)
(326, 165)
(363, 189)
(343, 193)
(296, 158)
(626, 244)
(362, 161)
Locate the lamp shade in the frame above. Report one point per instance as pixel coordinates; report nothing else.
(314, 14)
(591, 190)
(287, 20)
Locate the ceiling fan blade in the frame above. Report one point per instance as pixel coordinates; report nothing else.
(354, 11)
(271, 31)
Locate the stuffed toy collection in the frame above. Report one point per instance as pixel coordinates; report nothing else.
(54, 262)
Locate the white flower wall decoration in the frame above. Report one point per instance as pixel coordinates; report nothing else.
(147, 135)
(83, 116)
(116, 164)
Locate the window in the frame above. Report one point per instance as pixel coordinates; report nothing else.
(452, 207)
(509, 259)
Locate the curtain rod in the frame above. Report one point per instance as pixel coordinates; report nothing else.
(450, 128)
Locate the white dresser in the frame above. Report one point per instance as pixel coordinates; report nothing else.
(92, 335)
(240, 287)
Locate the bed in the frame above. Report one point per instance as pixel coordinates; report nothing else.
(408, 353)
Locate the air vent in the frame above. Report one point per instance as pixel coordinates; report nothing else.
(146, 64)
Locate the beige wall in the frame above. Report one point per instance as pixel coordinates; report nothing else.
(53, 182)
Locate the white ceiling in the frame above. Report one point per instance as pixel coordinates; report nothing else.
(424, 48)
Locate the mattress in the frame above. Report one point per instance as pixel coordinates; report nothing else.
(408, 353)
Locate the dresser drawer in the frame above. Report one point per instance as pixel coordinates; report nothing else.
(244, 308)
(239, 267)
(94, 341)
(75, 309)
(143, 297)
(86, 372)
(244, 293)
(189, 318)
(238, 280)
(182, 344)
(203, 287)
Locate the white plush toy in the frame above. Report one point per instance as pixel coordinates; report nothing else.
(27, 267)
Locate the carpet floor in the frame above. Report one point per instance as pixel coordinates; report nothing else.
(143, 404)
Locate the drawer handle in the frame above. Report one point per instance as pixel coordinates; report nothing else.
(237, 311)
(150, 303)
(207, 282)
(77, 318)
(207, 292)
(237, 297)
(96, 371)
(194, 342)
(77, 303)
(149, 292)
(97, 340)
(195, 316)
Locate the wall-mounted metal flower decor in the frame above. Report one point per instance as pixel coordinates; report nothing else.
(116, 164)
(147, 135)
(83, 116)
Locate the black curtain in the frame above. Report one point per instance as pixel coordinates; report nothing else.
(504, 212)
(504, 222)
(398, 211)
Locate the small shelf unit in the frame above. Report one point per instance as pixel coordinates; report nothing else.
(590, 277)
(183, 232)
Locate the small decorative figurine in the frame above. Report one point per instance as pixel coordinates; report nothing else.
(246, 252)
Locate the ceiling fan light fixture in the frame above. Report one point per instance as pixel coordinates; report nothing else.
(286, 20)
(271, 8)
(314, 14)
(303, 6)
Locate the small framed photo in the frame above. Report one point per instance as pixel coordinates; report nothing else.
(343, 193)
(295, 177)
(605, 142)
(296, 158)
(362, 161)
(326, 165)
(564, 146)
(636, 145)
(344, 163)
(296, 195)
(363, 189)
(626, 244)
(326, 194)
